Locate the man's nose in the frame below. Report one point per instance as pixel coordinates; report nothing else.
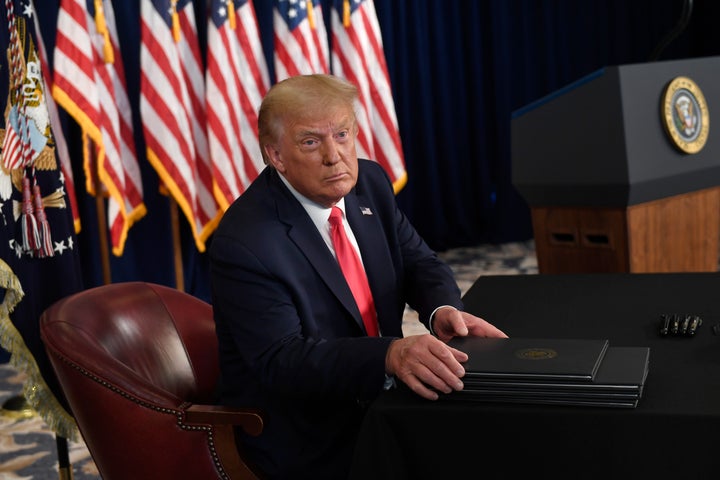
(331, 153)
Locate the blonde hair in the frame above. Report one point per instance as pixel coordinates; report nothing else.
(302, 96)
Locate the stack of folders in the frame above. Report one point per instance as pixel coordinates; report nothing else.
(583, 372)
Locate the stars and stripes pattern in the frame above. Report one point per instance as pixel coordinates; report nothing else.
(300, 36)
(200, 123)
(17, 146)
(358, 56)
(62, 153)
(236, 80)
(172, 106)
(89, 83)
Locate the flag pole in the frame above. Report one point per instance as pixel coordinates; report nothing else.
(64, 465)
(177, 246)
(102, 228)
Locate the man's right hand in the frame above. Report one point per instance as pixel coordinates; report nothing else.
(425, 363)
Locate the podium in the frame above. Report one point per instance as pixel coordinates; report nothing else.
(610, 185)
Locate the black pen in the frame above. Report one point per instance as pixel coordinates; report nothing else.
(694, 324)
(685, 324)
(664, 324)
(675, 324)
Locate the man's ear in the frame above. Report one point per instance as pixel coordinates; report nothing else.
(273, 156)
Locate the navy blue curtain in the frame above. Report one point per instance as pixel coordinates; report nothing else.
(459, 68)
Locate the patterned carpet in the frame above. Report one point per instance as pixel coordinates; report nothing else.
(27, 445)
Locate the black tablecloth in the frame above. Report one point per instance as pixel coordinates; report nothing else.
(671, 434)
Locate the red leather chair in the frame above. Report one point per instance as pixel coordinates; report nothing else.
(137, 363)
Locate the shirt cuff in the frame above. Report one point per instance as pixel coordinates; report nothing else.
(432, 317)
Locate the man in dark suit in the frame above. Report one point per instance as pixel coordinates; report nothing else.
(292, 338)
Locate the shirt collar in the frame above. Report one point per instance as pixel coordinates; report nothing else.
(318, 213)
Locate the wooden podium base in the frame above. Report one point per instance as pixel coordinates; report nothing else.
(675, 234)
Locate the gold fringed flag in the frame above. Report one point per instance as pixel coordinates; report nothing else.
(300, 37)
(236, 81)
(358, 56)
(37, 237)
(89, 83)
(172, 108)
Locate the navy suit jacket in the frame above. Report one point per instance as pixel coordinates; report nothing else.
(291, 337)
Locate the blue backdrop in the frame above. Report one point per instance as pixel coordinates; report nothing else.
(459, 68)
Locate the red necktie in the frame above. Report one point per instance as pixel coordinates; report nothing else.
(354, 273)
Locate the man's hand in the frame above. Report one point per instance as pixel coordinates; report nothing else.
(449, 322)
(423, 361)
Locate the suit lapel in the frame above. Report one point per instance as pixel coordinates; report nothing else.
(302, 232)
(367, 228)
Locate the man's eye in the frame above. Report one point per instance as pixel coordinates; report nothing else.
(343, 134)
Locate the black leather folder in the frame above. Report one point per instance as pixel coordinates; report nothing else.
(619, 382)
(559, 360)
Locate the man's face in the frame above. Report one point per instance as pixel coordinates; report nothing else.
(316, 154)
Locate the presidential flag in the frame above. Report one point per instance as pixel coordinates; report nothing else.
(358, 56)
(39, 260)
(172, 106)
(300, 36)
(236, 81)
(89, 83)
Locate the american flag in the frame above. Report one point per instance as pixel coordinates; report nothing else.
(172, 106)
(236, 81)
(61, 145)
(358, 56)
(301, 41)
(89, 83)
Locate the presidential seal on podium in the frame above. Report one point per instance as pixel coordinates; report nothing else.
(685, 114)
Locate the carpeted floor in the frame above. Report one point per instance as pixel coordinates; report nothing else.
(27, 445)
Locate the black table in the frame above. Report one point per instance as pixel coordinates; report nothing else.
(671, 434)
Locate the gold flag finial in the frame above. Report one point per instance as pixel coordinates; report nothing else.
(101, 26)
(346, 13)
(175, 20)
(310, 13)
(231, 13)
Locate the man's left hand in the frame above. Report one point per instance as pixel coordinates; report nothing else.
(449, 322)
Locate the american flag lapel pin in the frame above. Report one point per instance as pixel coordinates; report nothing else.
(366, 210)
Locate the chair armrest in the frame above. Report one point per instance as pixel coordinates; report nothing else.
(249, 419)
(223, 419)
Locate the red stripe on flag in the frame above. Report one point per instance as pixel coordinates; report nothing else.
(172, 103)
(90, 87)
(62, 149)
(236, 82)
(303, 49)
(358, 56)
